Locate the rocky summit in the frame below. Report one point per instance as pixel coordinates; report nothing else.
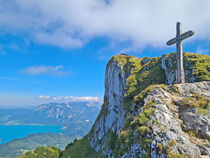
(145, 114)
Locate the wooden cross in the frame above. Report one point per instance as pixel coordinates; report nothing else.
(179, 53)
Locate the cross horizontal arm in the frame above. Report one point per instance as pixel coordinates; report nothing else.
(181, 37)
(186, 35)
(172, 41)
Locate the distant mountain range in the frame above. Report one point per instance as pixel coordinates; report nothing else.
(75, 117)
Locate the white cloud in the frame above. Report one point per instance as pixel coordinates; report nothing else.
(70, 99)
(71, 23)
(15, 101)
(44, 97)
(59, 39)
(46, 70)
(92, 101)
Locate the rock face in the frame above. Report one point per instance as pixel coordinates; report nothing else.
(113, 114)
(194, 65)
(143, 117)
(173, 121)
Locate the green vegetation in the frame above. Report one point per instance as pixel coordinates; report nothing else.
(176, 156)
(139, 99)
(138, 124)
(120, 59)
(124, 136)
(203, 111)
(173, 155)
(19, 146)
(43, 152)
(140, 74)
(112, 140)
(142, 77)
(80, 149)
(195, 134)
(201, 66)
(199, 102)
(168, 149)
(141, 126)
(143, 130)
(171, 143)
(197, 65)
(142, 119)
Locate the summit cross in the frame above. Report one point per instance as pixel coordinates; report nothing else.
(180, 77)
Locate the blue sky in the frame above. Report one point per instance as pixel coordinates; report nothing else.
(60, 48)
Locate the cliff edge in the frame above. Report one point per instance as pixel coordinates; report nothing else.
(146, 115)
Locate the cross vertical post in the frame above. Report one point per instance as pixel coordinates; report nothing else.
(179, 52)
(180, 68)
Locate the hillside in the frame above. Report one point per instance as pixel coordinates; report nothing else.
(41, 152)
(17, 147)
(143, 117)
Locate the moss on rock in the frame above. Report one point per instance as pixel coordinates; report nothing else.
(200, 66)
(199, 102)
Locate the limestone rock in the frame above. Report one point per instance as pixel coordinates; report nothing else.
(170, 125)
(194, 67)
(113, 114)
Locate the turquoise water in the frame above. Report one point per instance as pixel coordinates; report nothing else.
(10, 132)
